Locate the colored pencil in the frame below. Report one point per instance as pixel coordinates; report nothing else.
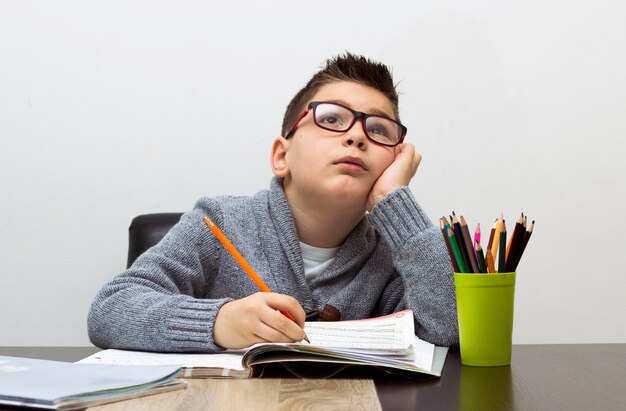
(517, 223)
(443, 226)
(491, 267)
(482, 265)
(491, 234)
(243, 263)
(472, 258)
(502, 248)
(515, 244)
(496, 239)
(458, 234)
(456, 251)
(467, 239)
(477, 234)
(527, 235)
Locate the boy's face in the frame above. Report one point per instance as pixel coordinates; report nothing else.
(321, 165)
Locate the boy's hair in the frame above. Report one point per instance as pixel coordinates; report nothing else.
(346, 67)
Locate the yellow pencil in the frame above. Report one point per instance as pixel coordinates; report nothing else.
(496, 238)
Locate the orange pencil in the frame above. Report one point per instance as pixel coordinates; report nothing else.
(243, 263)
(491, 266)
(516, 230)
(493, 230)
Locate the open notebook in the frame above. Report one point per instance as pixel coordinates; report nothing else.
(387, 342)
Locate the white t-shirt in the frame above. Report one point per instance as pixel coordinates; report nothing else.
(316, 259)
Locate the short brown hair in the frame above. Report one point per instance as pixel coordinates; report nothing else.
(343, 67)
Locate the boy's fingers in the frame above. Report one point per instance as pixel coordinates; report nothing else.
(288, 304)
(413, 157)
(417, 159)
(274, 318)
(258, 318)
(284, 332)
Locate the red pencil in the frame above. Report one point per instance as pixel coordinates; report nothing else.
(477, 236)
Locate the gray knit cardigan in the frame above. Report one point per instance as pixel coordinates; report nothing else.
(168, 299)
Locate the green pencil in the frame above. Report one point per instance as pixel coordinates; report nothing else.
(444, 231)
(456, 251)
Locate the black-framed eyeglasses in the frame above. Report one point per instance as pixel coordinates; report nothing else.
(339, 118)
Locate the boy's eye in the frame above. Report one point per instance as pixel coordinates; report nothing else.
(329, 119)
(380, 128)
(334, 119)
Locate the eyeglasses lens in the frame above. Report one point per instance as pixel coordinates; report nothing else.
(337, 118)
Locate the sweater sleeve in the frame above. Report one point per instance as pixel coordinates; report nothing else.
(422, 264)
(157, 304)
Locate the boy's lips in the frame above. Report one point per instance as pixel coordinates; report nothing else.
(354, 161)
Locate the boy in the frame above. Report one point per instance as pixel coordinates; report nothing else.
(338, 232)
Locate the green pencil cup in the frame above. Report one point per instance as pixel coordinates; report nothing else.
(485, 312)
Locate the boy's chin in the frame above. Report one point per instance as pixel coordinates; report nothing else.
(350, 192)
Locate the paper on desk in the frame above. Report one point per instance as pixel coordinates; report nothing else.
(226, 364)
(230, 360)
(390, 332)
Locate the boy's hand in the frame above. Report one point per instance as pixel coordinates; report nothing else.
(397, 175)
(258, 318)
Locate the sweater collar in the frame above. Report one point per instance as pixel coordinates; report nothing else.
(355, 250)
(282, 219)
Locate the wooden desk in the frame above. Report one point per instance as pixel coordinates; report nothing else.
(542, 377)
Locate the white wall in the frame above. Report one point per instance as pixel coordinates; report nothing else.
(113, 109)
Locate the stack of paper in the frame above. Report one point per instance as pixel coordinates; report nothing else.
(68, 386)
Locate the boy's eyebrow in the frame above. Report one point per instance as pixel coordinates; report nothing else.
(373, 111)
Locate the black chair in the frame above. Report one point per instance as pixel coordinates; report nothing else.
(146, 230)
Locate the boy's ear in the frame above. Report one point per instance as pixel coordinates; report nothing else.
(278, 157)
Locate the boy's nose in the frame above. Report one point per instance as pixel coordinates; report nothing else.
(356, 135)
